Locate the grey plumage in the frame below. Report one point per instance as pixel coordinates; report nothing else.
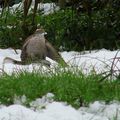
(36, 48)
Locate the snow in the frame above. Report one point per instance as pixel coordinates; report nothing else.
(18, 112)
(111, 111)
(47, 8)
(46, 108)
(60, 111)
(99, 61)
(53, 111)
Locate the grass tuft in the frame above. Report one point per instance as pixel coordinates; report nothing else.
(75, 89)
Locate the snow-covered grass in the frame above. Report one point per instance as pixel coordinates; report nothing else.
(78, 87)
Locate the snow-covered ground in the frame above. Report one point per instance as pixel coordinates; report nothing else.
(99, 61)
(47, 109)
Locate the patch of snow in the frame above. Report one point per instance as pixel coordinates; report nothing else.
(53, 111)
(49, 8)
(40, 103)
(20, 100)
(16, 7)
(46, 8)
(18, 112)
(97, 61)
(111, 111)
